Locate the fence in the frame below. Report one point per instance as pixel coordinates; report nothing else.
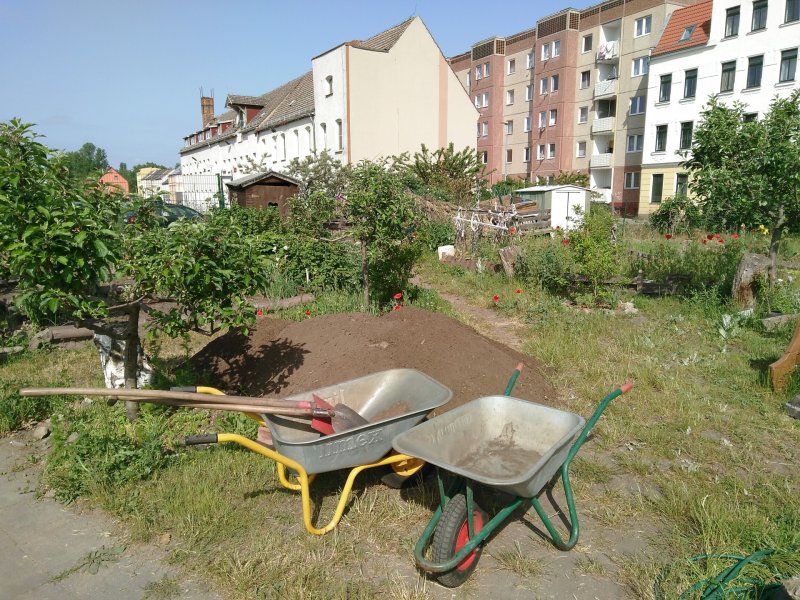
(201, 192)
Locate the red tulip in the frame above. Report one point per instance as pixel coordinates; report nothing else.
(565, 242)
(496, 298)
(519, 291)
(397, 307)
(398, 296)
(710, 237)
(735, 236)
(259, 313)
(721, 241)
(308, 313)
(668, 236)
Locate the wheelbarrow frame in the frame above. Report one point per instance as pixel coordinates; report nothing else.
(475, 539)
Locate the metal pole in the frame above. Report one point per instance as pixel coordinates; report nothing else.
(221, 195)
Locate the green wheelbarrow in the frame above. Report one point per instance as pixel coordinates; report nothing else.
(511, 445)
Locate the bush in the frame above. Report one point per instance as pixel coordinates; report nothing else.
(546, 263)
(677, 214)
(16, 411)
(596, 257)
(433, 233)
(250, 221)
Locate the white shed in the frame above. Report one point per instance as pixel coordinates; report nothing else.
(561, 200)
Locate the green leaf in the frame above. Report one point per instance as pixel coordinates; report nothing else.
(101, 248)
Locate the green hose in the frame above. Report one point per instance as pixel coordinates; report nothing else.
(727, 583)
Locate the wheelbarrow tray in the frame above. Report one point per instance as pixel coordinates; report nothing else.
(391, 401)
(510, 444)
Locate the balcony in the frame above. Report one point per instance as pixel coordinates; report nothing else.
(601, 161)
(605, 125)
(608, 52)
(604, 194)
(605, 88)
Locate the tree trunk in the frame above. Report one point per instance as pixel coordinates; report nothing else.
(774, 244)
(132, 358)
(365, 274)
(750, 269)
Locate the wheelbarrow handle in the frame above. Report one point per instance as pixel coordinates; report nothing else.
(203, 438)
(623, 389)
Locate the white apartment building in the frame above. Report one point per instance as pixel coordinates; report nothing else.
(734, 50)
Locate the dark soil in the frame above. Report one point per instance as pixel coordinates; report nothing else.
(280, 358)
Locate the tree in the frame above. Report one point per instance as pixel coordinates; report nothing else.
(747, 171)
(444, 173)
(567, 178)
(89, 161)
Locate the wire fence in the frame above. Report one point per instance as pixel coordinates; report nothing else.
(201, 192)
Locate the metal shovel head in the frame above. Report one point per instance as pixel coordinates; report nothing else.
(345, 418)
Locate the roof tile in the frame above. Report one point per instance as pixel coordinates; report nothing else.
(697, 15)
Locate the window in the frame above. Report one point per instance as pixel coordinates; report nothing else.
(682, 184)
(509, 127)
(587, 43)
(529, 92)
(512, 67)
(788, 65)
(759, 15)
(642, 26)
(529, 60)
(635, 142)
(657, 188)
(541, 152)
(543, 119)
(546, 52)
(640, 66)
(510, 97)
(557, 46)
(543, 86)
(527, 123)
(728, 76)
(283, 146)
(580, 150)
(486, 99)
(637, 105)
(551, 151)
(686, 135)
(732, 22)
(586, 78)
(339, 135)
(553, 117)
(478, 101)
(750, 117)
(509, 156)
(324, 129)
(486, 69)
(690, 83)
(479, 130)
(792, 11)
(754, 67)
(665, 88)
(478, 72)
(554, 83)
(687, 34)
(485, 128)
(632, 180)
(329, 85)
(485, 157)
(583, 114)
(661, 138)
(526, 153)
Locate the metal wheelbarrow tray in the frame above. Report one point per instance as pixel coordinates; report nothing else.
(392, 401)
(512, 445)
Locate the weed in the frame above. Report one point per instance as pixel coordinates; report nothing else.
(165, 588)
(92, 562)
(591, 566)
(520, 562)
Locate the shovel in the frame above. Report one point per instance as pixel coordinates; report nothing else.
(342, 417)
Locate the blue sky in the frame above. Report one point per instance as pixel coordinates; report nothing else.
(126, 76)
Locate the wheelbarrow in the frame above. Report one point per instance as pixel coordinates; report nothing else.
(511, 445)
(391, 401)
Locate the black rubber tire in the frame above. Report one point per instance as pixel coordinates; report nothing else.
(445, 538)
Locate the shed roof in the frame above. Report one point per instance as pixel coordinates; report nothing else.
(257, 177)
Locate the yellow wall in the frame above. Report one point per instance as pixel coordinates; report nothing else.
(669, 171)
(406, 97)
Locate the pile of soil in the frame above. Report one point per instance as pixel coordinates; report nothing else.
(280, 358)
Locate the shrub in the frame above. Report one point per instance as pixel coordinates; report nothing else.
(546, 263)
(596, 257)
(677, 214)
(433, 233)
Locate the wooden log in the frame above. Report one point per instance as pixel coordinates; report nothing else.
(771, 323)
(508, 257)
(782, 369)
(751, 268)
(62, 333)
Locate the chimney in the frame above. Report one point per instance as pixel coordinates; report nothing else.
(207, 108)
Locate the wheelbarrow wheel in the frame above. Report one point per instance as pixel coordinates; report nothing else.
(452, 534)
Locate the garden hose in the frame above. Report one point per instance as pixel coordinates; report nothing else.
(727, 583)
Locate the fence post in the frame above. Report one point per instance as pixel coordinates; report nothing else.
(221, 194)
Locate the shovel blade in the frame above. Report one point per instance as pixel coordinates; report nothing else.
(345, 418)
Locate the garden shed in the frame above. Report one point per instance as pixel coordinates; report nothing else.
(264, 190)
(563, 201)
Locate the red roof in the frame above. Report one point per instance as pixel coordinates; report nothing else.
(697, 15)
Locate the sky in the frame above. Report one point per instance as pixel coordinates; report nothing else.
(126, 76)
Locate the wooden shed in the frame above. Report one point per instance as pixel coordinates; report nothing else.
(264, 190)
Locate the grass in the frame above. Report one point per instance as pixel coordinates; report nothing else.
(700, 455)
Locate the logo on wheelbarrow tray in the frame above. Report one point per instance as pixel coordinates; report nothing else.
(350, 443)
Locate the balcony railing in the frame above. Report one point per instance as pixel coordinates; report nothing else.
(605, 88)
(608, 51)
(600, 161)
(605, 194)
(603, 125)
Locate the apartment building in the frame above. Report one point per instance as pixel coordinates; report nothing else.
(737, 51)
(349, 103)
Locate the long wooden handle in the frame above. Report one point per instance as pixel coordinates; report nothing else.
(188, 396)
(249, 408)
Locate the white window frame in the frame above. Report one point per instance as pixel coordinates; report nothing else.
(478, 101)
(526, 154)
(485, 128)
(580, 149)
(510, 127)
(551, 150)
(642, 101)
(633, 180)
(527, 123)
(543, 86)
(542, 119)
(640, 66)
(586, 80)
(583, 114)
(485, 99)
(339, 136)
(329, 86)
(642, 26)
(541, 151)
(478, 73)
(529, 92)
(586, 38)
(553, 117)
(556, 48)
(509, 97)
(638, 143)
(485, 70)
(511, 66)
(545, 52)
(554, 83)
(530, 60)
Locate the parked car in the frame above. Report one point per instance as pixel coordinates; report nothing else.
(168, 212)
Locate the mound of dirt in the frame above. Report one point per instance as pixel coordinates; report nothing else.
(280, 358)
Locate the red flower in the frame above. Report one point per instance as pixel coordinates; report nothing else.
(512, 231)
(705, 242)
(398, 296)
(259, 313)
(718, 236)
(519, 291)
(397, 307)
(721, 241)
(496, 298)
(709, 237)
(565, 242)
(735, 236)
(668, 236)
(308, 313)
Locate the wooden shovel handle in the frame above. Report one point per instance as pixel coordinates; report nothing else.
(247, 408)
